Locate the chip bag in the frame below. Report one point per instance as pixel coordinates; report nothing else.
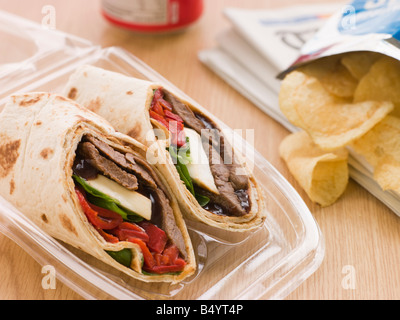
(360, 26)
(344, 91)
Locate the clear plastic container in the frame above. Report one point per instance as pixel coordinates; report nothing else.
(267, 263)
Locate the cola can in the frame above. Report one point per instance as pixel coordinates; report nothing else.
(152, 16)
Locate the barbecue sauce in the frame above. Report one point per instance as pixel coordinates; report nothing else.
(83, 168)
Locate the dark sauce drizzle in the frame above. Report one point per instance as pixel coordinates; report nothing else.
(83, 168)
(215, 208)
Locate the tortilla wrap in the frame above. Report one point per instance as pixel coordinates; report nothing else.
(125, 102)
(39, 135)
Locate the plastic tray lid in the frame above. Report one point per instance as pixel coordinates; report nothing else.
(291, 246)
(33, 50)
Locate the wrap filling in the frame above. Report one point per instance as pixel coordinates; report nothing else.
(124, 200)
(216, 183)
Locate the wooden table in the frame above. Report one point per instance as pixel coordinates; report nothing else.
(361, 234)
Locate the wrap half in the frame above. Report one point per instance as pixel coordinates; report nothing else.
(211, 180)
(85, 184)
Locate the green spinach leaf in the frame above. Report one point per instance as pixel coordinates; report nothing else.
(181, 158)
(124, 256)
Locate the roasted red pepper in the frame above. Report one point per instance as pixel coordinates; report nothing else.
(148, 258)
(157, 237)
(157, 108)
(178, 137)
(127, 230)
(161, 111)
(168, 261)
(172, 252)
(157, 96)
(159, 118)
(167, 269)
(165, 104)
(100, 218)
(108, 237)
(172, 116)
(158, 257)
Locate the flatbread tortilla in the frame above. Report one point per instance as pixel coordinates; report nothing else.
(39, 134)
(125, 102)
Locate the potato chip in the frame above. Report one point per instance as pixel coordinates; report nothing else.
(359, 63)
(322, 175)
(381, 149)
(333, 75)
(381, 83)
(332, 122)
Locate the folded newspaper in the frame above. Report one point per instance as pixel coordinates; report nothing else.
(259, 45)
(262, 43)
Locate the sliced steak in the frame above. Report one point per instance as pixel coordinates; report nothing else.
(169, 223)
(221, 157)
(239, 181)
(126, 161)
(117, 157)
(184, 112)
(142, 170)
(107, 167)
(227, 197)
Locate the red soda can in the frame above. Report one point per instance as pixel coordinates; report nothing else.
(152, 16)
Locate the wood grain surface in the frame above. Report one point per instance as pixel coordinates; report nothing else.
(361, 235)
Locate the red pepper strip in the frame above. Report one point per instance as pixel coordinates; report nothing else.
(127, 230)
(157, 237)
(180, 262)
(178, 139)
(108, 237)
(178, 136)
(158, 258)
(165, 261)
(157, 108)
(175, 126)
(166, 269)
(99, 217)
(149, 261)
(172, 116)
(161, 112)
(161, 260)
(172, 252)
(157, 95)
(181, 139)
(165, 104)
(168, 261)
(158, 118)
(112, 218)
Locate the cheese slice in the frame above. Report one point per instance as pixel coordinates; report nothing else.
(131, 200)
(199, 167)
